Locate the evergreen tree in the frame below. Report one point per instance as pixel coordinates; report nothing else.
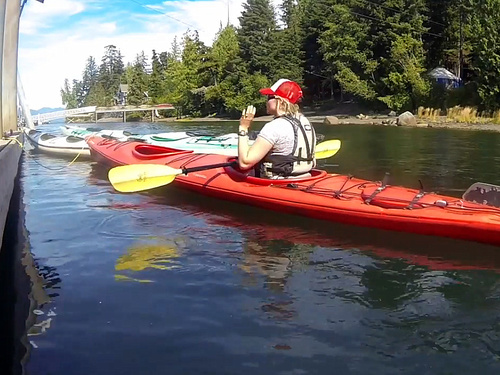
(288, 9)
(233, 87)
(313, 16)
(89, 80)
(287, 54)
(397, 28)
(486, 51)
(405, 85)
(97, 96)
(448, 40)
(182, 74)
(255, 36)
(110, 72)
(374, 50)
(224, 61)
(224, 53)
(68, 94)
(163, 60)
(436, 41)
(175, 51)
(347, 53)
(194, 59)
(156, 78)
(241, 88)
(138, 81)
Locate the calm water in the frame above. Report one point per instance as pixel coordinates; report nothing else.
(168, 282)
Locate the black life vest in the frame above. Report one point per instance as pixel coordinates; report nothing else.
(301, 160)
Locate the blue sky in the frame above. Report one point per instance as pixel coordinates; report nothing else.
(57, 37)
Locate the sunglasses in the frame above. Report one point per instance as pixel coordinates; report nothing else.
(269, 97)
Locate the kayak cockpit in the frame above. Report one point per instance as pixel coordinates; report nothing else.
(46, 137)
(72, 139)
(146, 151)
(243, 176)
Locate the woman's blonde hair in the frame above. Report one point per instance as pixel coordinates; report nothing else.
(284, 107)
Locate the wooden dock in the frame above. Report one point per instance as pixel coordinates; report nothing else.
(10, 153)
(121, 110)
(124, 109)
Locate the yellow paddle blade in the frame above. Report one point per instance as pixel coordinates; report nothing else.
(138, 177)
(327, 149)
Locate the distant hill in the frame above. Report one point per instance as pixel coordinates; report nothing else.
(46, 110)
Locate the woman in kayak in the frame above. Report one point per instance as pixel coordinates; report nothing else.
(285, 146)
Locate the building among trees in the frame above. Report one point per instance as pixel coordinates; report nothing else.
(121, 95)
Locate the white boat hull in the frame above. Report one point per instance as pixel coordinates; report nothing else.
(62, 146)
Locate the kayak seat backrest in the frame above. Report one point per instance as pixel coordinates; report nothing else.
(46, 137)
(147, 151)
(397, 197)
(483, 193)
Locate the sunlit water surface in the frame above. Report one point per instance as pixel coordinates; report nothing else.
(169, 282)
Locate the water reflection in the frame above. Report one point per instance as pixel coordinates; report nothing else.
(30, 285)
(446, 161)
(274, 265)
(280, 292)
(51, 280)
(413, 304)
(45, 282)
(432, 252)
(144, 256)
(98, 175)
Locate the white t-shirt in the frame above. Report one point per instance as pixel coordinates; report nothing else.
(279, 133)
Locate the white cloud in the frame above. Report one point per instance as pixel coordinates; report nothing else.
(40, 15)
(47, 55)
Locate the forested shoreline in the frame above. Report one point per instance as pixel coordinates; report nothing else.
(377, 53)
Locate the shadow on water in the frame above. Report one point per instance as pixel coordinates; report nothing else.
(22, 290)
(260, 226)
(14, 290)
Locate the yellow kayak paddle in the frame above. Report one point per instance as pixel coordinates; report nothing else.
(138, 177)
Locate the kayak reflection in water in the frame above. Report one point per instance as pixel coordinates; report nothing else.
(285, 146)
(142, 257)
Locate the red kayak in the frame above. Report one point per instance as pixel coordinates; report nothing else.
(331, 197)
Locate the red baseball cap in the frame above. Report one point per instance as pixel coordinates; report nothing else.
(286, 89)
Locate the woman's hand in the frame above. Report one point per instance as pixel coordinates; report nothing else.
(247, 117)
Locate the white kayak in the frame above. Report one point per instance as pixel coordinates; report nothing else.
(197, 141)
(226, 144)
(57, 145)
(79, 132)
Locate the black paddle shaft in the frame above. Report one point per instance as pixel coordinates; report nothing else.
(211, 166)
